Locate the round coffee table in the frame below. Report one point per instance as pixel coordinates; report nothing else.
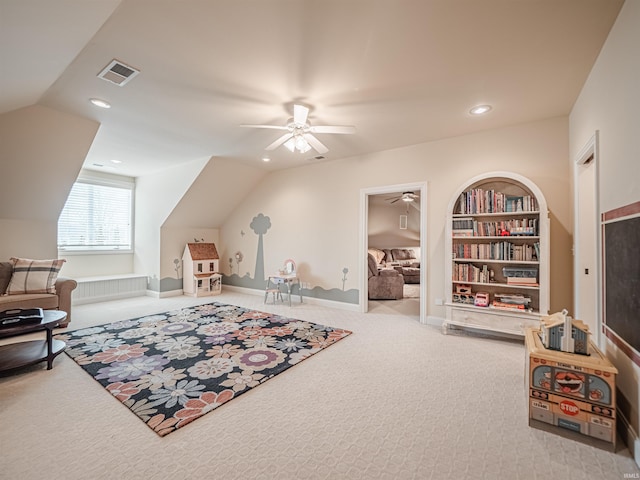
(21, 354)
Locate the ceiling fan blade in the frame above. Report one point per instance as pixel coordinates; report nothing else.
(394, 201)
(279, 141)
(343, 129)
(315, 143)
(300, 114)
(275, 127)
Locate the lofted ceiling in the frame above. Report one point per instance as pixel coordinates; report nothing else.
(402, 71)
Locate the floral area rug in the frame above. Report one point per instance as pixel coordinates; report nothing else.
(174, 367)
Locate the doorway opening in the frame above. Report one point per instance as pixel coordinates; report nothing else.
(392, 218)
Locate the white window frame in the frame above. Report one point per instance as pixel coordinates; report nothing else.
(107, 180)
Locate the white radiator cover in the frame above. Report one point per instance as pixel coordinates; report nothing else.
(114, 287)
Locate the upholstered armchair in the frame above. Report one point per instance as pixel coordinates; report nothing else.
(384, 284)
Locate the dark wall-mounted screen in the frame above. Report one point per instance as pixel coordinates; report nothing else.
(622, 279)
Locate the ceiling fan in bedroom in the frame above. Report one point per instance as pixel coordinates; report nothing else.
(409, 199)
(299, 133)
(405, 197)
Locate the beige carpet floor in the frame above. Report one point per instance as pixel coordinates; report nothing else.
(395, 400)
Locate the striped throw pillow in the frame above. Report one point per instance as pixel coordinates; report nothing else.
(34, 276)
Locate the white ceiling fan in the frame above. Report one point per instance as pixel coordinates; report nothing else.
(408, 197)
(299, 132)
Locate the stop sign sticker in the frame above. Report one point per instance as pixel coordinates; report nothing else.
(569, 408)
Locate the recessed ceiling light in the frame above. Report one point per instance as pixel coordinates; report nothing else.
(480, 109)
(113, 160)
(266, 159)
(100, 103)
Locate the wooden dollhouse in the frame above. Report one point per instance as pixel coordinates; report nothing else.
(200, 277)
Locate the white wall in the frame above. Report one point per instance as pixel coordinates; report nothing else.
(609, 103)
(314, 209)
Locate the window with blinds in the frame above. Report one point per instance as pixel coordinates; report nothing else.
(98, 216)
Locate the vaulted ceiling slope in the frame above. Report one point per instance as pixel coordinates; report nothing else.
(402, 71)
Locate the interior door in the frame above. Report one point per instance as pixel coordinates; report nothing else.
(586, 308)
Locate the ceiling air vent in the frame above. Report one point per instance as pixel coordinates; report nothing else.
(118, 73)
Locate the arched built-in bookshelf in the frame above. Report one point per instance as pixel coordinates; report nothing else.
(497, 244)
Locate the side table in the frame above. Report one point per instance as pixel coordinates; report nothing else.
(288, 280)
(21, 354)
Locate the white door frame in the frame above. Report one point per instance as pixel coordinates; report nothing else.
(363, 234)
(589, 153)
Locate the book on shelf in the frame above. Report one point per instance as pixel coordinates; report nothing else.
(463, 233)
(524, 282)
(477, 200)
(462, 227)
(512, 298)
(520, 272)
(494, 251)
(526, 227)
(508, 306)
(471, 273)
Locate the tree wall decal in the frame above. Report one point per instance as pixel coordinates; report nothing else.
(260, 224)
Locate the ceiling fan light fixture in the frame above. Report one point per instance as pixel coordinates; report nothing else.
(299, 134)
(299, 143)
(290, 144)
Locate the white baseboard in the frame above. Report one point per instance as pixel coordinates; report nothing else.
(248, 291)
(432, 320)
(352, 307)
(310, 300)
(170, 293)
(629, 435)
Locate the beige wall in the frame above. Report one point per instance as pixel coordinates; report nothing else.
(221, 184)
(41, 153)
(173, 207)
(314, 210)
(78, 266)
(173, 241)
(156, 197)
(609, 103)
(28, 239)
(384, 225)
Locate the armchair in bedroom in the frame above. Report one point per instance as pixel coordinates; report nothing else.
(384, 284)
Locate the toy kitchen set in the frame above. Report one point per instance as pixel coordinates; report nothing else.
(570, 383)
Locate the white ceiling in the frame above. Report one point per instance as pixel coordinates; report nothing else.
(402, 71)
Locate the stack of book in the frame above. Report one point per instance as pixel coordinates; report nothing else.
(522, 281)
(521, 276)
(511, 301)
(20, 316)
